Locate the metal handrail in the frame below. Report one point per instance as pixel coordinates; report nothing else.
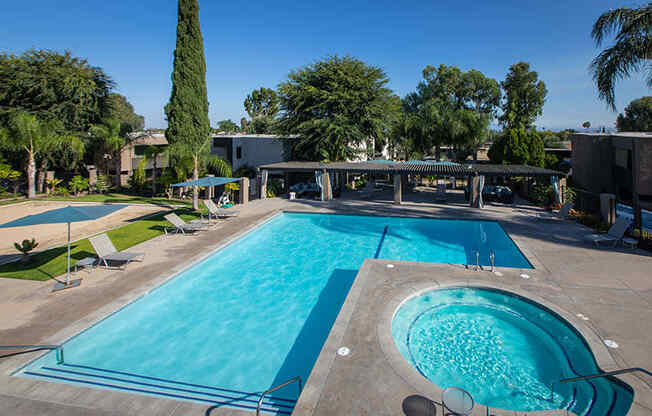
(280, 386)
(58, 348)
(608, 373)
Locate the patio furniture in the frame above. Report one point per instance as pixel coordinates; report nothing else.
(67, 215)
(86, 263)
(219, 212)
(107, 252)
(614, 235)
(458, 401)
(630, 242)
(562, 214)
(180, 226)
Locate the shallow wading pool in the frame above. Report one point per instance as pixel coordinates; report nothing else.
(508, 352)
(257, 312)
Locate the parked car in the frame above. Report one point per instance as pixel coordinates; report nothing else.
(493, 193)
(305, 189)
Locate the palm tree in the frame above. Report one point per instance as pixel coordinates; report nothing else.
(27, 133)
(152, 152)
(111, 141)
(630, 53)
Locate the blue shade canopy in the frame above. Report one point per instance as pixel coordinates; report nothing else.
(207, 181)
(65, 215)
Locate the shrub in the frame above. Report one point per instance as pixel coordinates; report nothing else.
(78, 184)
(61, 191)
(26, 246)
(542, 194)
(54, 183)
(103, 184)
(138, 179)
(569, 194)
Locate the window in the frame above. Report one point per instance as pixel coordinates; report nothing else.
(238, 152)
(139, 150)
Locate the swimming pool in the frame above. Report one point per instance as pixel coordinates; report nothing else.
(508, 352)
(257, 312)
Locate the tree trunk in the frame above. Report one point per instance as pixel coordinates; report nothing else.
(154, 176)
(118, 168)
(438, 153)
(195, 189)
(31, 176)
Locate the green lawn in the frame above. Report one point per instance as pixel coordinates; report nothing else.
(118, 198)
(105, 198)
(52, 263)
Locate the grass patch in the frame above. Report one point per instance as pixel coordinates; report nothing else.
(52, 263)
(117, 198)
(12, 201)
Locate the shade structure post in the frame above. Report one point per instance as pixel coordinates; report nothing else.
(398, 189)
(263, 184)
(68, 272)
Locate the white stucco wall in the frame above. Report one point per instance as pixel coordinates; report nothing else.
(256, 151)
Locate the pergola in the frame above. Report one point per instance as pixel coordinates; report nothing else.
(398, 169)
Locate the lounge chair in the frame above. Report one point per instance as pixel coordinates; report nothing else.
(180, 226)
(614, 235)
(219, 212)
(107, 253)
(562, 214)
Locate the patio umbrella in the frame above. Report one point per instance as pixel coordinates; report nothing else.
(67, 215)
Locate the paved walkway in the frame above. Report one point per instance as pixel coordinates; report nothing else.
(611, 287)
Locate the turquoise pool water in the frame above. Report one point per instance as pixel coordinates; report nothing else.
(507, 352)
(257, 312)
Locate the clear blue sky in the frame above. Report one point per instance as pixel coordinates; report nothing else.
(257, 43)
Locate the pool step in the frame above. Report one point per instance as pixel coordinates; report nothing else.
(118, 380)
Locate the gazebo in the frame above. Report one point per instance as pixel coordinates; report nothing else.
(325, 171)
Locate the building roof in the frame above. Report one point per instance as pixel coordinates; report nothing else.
(629, 134)
(412, 167)
(251, 136)
(150, 139)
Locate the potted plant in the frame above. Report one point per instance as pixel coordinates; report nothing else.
(26, 247)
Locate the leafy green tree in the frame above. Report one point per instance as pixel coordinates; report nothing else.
(630, 53)
(481, 91)
(262, 102)
(335, 106)
(262, 125)
(227, 126)
(525, 95)
(436, 109)
(638, 116)
(189, 128)
(586, 124)
(518, 147)
(27, 135)
(120, 109)
(54, 86)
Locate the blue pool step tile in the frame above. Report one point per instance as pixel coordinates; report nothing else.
(133, 383)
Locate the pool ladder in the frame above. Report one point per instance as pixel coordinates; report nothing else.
(58, 348)
(492, 259)
(273, 389)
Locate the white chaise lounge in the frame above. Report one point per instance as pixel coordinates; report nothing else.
(614, 235)
(107, 253)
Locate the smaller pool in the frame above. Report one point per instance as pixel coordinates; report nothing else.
(508, 352)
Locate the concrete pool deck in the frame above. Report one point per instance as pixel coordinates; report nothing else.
(613, 288)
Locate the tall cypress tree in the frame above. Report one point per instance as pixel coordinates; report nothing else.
(187, 112)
